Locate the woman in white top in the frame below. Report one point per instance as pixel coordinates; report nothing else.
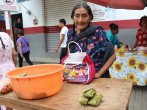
(8, 56)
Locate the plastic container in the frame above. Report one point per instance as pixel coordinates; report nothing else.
(129, 47)
(41, 80)
(142, 49)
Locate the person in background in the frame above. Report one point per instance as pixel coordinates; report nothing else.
(100, 50)
(18, 25)
(63, 38)
(114, 29)
(8, 58)
(23, 48)
(141, 35)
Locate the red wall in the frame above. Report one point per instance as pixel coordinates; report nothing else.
(123, 24)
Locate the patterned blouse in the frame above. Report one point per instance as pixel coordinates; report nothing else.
(6, 61)
(141, 38)
(96, 45)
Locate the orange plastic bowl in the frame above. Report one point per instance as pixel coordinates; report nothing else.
(41, 80)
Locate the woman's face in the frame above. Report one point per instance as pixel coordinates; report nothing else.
(81, 19)
(115, 31)
(144, 22)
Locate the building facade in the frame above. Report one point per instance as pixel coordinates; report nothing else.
(41, 18)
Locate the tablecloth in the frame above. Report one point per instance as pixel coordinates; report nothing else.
(130, 65)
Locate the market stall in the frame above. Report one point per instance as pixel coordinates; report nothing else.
(130, 65)
(116, 94)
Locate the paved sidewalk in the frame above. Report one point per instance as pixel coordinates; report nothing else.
(44, 60)
(40, 60)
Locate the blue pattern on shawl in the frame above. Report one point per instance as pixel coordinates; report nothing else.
(96, 45)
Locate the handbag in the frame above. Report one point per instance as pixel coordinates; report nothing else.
(79, 67)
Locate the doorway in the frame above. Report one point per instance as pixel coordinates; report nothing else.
(14, 21)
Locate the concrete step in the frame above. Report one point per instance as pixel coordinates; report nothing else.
(39, 60)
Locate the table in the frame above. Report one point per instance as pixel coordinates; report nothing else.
(130, 65)
(116, 94)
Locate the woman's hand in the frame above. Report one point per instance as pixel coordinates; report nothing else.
(14, 56)
(106, 66)
(21, 55)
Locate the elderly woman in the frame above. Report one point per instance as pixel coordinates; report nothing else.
(100, 50)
